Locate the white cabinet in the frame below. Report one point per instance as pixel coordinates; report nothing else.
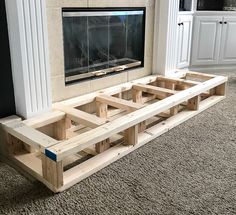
(214, 40)
(228, 41)
(184, 40)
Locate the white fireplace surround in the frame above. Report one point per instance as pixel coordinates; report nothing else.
(33, 50)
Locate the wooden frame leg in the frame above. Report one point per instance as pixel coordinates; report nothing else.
(138, 97)
(170, 85)
(212, 91)
(14, 145)
(174, 110)
(52, 171)
(60, 129)
(131, 136)
(68, 123)
(193, 104)
(221, 90)
(101, 111)
(102, 146)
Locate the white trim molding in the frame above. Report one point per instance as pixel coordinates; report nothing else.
(29, 55)
(165, 36)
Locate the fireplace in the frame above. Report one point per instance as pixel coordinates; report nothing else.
(102, 42)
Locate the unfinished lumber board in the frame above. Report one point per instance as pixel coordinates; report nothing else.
(45, 119)
(160, 92)
(61, 150)
(29, 135)
(137, 96)
(131, 136)
(81, 117)
(201, 76)
(52, 171)
(14, 145)
(31, 160)
(178, 81)
(221, 90)
(193, 103)
(81, 100)
(102, 146)
(174, 110)
(119, 103)
(10, 119)
(87, 168)
(101, 111)
(60, 129)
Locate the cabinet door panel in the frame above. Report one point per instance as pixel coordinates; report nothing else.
(206, 40)
(184, 40)
(228, 42)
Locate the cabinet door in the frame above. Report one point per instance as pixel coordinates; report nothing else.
(184, 40)
(206, 40)
(228, 41)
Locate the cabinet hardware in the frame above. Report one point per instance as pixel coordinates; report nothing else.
(225, 22)
(221, 22)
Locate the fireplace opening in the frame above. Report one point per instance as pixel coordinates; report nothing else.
(100, 42)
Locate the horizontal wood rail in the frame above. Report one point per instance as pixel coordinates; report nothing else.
(29, 135)
(119, 103)
(62, 150)
(178, 81)
(160, 93)
(81, 117)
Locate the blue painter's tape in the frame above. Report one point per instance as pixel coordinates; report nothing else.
(50, 155)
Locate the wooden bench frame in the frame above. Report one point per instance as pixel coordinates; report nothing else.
(167, 103)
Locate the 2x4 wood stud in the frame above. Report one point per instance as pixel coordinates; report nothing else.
(45, 156)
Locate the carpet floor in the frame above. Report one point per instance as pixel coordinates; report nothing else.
(190, 170)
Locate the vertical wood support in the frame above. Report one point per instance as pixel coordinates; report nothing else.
(102, 146)
(52, 171)
(174, 110)
(60, 129)
(118, 95)
(220, 90)
(68, 123)
(170, 85)
(131, 136)
(193, 104)
(101, 111)
(212, 91)
(14, 145)
(137, 97)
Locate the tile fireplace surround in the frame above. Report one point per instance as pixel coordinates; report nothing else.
(61, 91)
